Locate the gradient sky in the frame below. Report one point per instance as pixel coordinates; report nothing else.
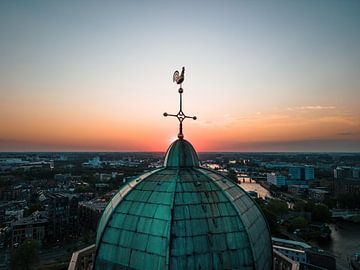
(261, 75)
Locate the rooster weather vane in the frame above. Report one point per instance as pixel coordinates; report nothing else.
(179, 78)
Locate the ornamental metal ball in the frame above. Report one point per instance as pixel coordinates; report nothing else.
(181, 90)
(165, 114)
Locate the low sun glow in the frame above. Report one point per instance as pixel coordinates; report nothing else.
(172, 139)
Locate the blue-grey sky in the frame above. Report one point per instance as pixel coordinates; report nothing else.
(261, 75)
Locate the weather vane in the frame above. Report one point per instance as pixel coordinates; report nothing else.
(180, 115)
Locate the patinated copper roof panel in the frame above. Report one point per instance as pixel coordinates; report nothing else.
(251, 217)
(184, 219)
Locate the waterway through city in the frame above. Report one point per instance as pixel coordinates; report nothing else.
(345, 241)
(345, 236)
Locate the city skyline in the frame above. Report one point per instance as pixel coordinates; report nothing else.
(85, 76)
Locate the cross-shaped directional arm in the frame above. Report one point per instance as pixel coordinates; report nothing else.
(180, 116)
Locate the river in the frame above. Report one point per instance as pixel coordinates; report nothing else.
(345, 240)
(345, 236)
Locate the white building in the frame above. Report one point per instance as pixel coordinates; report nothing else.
(356, 172)
(93, 163)
(318, 194)
(346, 172)
(341, 172)
(292, 249)
(276, 179)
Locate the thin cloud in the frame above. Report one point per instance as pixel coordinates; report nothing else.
(345, 133)
(205, 123)
(304, 145)
(311, 108)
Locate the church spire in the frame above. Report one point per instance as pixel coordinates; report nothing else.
(179, 79)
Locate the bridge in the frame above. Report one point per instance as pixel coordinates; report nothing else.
(344, 213)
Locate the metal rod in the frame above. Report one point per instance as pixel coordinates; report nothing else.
(180, 135)
(169, 114)
(180, 101)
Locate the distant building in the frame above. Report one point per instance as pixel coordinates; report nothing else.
(11, 211)
(356, 172)
(99, 187)
(346, 185)
(105, 177)
(318, 194)
(301, 173)
(342, 172)
(93, 163)
(276, 179)
(11, 161)
(62, 214)
(10, 193)
(277, 165)
(60, 177)
(90, 212)
(32, 227)
(300, 190)
(292, 249)
(307, 256)
(62, 158)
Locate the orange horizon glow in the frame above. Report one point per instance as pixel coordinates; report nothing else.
(49, 131)
(278, 76)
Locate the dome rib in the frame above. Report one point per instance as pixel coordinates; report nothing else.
(171, 223)
(115, 201)
(225, 185)
(230, 199)
(181, 154)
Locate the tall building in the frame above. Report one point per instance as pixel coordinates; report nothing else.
(32, 227)
(342, 172)
(276, 179)
(62, 215)
(301, 173)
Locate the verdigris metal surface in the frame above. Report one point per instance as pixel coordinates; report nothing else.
(181, 154)
(251, 216)
(183, 218)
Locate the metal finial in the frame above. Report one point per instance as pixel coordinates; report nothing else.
(179, 78)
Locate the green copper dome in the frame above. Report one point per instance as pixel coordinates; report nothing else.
(182, 216)
(181, 154)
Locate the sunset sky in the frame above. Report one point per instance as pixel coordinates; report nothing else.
(260, 75)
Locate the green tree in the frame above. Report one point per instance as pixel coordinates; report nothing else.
(277, 207)
(232, 175)
(309, 206)
(330, 202)
(299, 206)
(297, 223)
(269, 216)
(321, 213)
(271, 220)
(25, 257)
